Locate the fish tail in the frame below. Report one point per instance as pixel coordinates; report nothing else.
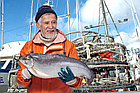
(89, 81)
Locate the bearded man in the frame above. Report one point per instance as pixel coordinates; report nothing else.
(48, 40)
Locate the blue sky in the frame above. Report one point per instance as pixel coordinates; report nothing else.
(17, 17)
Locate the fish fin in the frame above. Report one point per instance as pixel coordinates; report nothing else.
(34, 70)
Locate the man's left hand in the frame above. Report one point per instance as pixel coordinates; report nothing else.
(67, 76)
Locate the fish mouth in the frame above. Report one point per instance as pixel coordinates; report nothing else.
(25, 57)
(22, 58)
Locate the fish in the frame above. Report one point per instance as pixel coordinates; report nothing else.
(48, 65)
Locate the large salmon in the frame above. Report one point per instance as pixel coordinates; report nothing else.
(48, 65)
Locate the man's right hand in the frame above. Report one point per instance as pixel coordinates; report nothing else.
(26, 74)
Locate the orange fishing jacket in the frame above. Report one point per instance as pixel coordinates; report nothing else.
(52, 85)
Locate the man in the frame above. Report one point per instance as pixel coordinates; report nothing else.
(48, 40)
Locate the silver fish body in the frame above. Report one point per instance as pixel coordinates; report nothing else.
(48, 65)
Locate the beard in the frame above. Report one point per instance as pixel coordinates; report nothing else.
(49, 36)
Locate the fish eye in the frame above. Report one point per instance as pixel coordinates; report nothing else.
(29, 57)
(35, 58)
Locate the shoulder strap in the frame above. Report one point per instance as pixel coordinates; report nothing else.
(32, 48)
(64, 49)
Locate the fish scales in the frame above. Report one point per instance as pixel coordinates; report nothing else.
(48, 65)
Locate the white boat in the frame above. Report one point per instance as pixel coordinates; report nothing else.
(7, 63)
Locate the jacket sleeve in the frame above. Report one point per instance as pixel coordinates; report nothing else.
(71, 50)
(25, 50)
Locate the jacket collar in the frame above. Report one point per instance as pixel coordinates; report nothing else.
(59, 38)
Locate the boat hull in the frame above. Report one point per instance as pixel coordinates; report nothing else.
(3, 82)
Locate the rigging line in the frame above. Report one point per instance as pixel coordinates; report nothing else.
(16, 28)
(27, 11)
(0, 2)
(81, 27)
(36, 12)
(129, 35)
(127, 2)
(31, 20)
(78, 11)
(134, 10)
(81, 4)
(99, 17)
(72, 23)
(133, 15)
(63, 26)
(113, 22)
(21, 36)
(64, 10)
(56, 5)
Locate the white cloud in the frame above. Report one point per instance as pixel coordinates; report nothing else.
(62, 25)
(90, 11)
(119, 10)
(131, 41)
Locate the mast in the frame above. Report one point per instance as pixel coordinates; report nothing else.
(68, 19)
(104, 18)
(77, 15)
(2, 22)
(135, 12)
(31, 21)
(36, 12)
(136, 15)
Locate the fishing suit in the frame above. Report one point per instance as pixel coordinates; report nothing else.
(51, 85)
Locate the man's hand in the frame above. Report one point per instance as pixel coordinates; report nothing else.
(26, 74)
(67, 76)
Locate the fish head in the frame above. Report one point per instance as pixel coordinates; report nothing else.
(28, 60)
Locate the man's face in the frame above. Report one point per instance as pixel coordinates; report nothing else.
(48, 25)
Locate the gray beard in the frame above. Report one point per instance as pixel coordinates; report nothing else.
(48, 38)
